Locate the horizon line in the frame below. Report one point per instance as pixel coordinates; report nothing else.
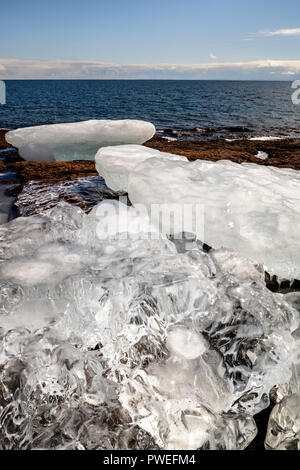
(149, 79)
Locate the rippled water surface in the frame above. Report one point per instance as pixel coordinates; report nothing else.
(198, 107)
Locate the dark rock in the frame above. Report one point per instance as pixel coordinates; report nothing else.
(3, 143)
(282, 153)
(85, 192)
(283, 286)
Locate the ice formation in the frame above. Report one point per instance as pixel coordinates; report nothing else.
(77, 140)
(242, 268)
(284, 425)
(262, 155)
(266, 138)
(111, 339)
(294, 385)
(115, 164)
(6, 200)
(249, 208)
(36, 152)
(284, 422)
(85, 192)
(5, 203)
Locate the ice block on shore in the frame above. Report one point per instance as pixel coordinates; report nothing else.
(112, 324)
(115, 164)
(249, 208)
(77, 140)
(284, 425)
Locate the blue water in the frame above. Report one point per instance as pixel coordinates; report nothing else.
(194, 108)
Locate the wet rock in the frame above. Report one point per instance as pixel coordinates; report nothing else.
(84, 192)
(283, 153)
(282, 286)
(3, 143)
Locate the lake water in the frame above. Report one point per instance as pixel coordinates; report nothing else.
(187, 109)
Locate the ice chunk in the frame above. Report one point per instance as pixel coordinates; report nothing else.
(262, 155)
(294, 299)
(186, 343)
(33, 314)
(249, 208)
(266, 138)
(28, 271)
(121, 341)
(284, 425)
(36, 152)
(282, 390)
(182, 412)
(114, 164)
(115, 218)
(77, 140)
(242, 268)
(6, 202)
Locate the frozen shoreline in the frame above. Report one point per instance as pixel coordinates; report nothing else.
(40, 179)
(38, 183)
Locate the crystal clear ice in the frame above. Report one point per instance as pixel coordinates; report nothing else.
(248, 208)
(109, 340)
(115, 164)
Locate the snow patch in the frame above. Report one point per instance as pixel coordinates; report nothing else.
(262, 155)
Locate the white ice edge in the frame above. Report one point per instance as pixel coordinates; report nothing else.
(77, 140)
(247, 207)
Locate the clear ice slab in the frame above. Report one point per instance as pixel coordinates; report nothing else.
(112, 339)
(115, 164)
(77, 140)
(284, 425)
(248, 208)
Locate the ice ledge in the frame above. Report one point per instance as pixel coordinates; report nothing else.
(77, 140)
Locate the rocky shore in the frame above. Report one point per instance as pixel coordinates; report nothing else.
(42, 183)
(281, 153)
(3, 143)
(39, 181)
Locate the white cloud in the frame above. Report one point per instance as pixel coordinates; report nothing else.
(281, 32)
(11, 68)
(212, 56)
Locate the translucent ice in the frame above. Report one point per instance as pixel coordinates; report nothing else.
(249, 208)
(6, 202)
(114, 341)
(186, 343)
(262, 155)
(232, 263)
(293, 386)
(77, 140)
(36, 152)
(114, 164)
(284, 425)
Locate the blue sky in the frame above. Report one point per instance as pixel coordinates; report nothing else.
(62, 38)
